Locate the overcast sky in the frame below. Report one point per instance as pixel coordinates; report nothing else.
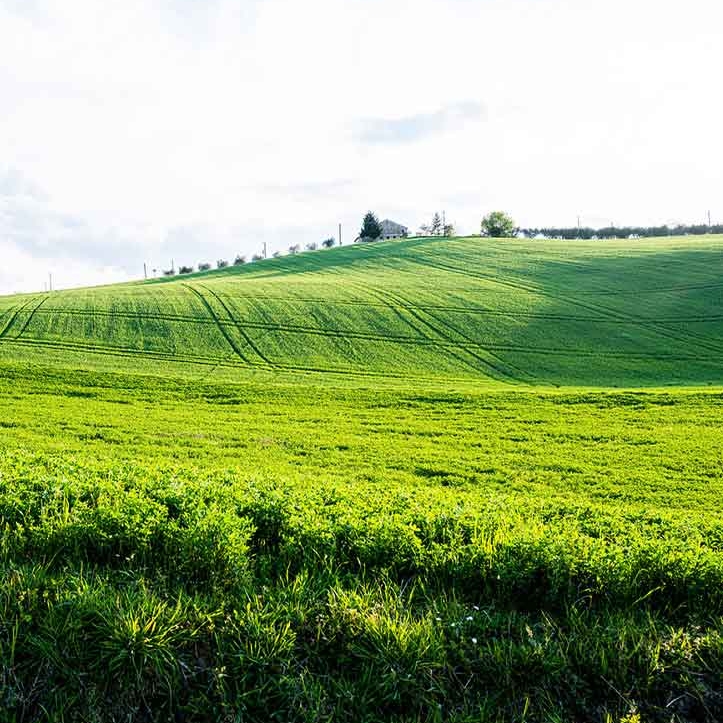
(145, 130)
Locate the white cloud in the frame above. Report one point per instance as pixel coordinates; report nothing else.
(242, 120)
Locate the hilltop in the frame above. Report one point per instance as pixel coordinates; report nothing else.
(613, 313)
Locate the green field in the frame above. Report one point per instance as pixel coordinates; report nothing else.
(516, 312)
(461, 480)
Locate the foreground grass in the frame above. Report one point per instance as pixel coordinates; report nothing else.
(301, 552)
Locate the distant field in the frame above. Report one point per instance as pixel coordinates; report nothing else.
(392, 482)
(643, 313)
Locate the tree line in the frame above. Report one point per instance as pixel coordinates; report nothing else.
(608, 232)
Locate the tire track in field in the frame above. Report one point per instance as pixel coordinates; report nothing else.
(215, 363)
(220, 326)
(116, 351)
(488, 348)
(604, 311)
(239, 328)
(655, 290)
(380, 337)
(394, 308)
(14, 316)
(477, 311)
(8, 314)
(444, 334)
(30, 318)
(223, 361)
(457, 349)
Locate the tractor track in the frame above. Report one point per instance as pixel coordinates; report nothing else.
(238, 327)
(30, 318)
(220, 326)
(604, 311)
(205, 321)
(14, 316)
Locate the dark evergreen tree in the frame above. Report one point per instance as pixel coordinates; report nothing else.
(436, 228)
(371, 229)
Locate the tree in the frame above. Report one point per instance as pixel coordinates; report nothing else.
(498, 225)
(436, 228)
(204, 267)
(185, 269)
(312, 246)
(328, 242)
(371, 229)
(294, 249)
(257, 257)
(239, 260)
(221, 264)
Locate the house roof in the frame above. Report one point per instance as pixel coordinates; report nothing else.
(392, 226)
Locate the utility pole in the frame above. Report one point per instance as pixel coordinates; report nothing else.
(264, 249)
(173, 267)
(145, 271)
(50, 282)
(339, 234)
(710, 226)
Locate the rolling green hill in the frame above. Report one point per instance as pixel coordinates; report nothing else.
(625, 313)
(342, 487)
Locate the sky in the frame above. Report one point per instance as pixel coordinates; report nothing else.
(146, 131)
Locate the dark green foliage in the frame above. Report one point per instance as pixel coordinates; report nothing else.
(616, 232)
(498, 225)
(371, 229)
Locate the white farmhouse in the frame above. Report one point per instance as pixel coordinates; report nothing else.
(390, 229)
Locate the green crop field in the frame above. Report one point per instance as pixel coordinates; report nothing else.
(418, 481)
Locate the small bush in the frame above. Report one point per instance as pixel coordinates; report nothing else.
(204, 267)
(239, 260)
(185, 270)
(221, 264)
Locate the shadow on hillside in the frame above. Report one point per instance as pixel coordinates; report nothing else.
(647, 319)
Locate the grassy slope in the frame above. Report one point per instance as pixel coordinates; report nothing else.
(586, 314)
(412, 533)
